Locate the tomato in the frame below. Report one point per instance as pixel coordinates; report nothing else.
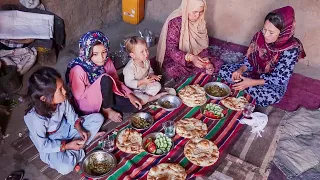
(152, 147)
(210, 114)
(149, 140)
(225, 111)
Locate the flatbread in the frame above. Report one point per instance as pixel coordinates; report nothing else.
(171, 91)
(236, 104)
(201, 152)
(167, 171)
(129, 141)
(193, 95)
(191, 128)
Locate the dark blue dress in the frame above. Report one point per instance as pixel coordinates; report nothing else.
(276, 82)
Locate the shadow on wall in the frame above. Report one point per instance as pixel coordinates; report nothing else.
(237, 21)
(80, 16)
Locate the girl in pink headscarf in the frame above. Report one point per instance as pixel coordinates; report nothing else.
(270, 59)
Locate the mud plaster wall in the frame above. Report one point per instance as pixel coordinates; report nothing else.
(238, 20)
(81, 16)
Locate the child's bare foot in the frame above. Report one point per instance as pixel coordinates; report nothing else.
(153, 98)
(160, 95)
(112, 115)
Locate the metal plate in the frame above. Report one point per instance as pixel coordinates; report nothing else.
(154, 136)
(203, 107)
(98, 155)
(221, 85)
(174, 101)
(143, 115)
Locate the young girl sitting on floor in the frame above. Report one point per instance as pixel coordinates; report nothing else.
(138, 73)
(55, 129)
(94, 81)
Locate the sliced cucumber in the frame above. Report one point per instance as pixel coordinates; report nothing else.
(159, 151)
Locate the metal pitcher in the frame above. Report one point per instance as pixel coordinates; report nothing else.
(148, 37)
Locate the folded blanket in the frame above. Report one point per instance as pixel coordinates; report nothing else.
(23, 58)
(24, 25)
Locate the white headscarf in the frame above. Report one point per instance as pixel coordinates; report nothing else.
(193, 35)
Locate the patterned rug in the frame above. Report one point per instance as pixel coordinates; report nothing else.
(224, 133)
(244, 149)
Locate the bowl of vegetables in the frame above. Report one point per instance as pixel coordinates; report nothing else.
(157, 144)
(217, 90)
(169, 102)
(98, 164)
(141, 121)
(213, 111)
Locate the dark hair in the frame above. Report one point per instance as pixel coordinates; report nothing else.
(275, 19)
(131, 42)
(43, 82)
(91, 48)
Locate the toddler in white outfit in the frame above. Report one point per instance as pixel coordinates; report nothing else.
(138, 73)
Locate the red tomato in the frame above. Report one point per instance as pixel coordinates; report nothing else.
(149, 140)
(152, 147)
(210, 114)
(225, 111)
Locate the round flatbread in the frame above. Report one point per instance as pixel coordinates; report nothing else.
(193, 95)
(171, 91)
(191, 128)
(167, 171)
(201, 152)
(236, 104)
(129, 141)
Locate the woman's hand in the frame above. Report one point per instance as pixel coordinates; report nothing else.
(244, 84)
(135, 101)
(209, 68)
(236, 76)
(197, 62)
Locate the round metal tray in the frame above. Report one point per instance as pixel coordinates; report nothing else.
(143, 115)
(221, 85)
(99, 155)
(175, 101)
(154, 136)
(203, 107)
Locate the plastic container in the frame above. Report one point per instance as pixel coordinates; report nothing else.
(133, 11)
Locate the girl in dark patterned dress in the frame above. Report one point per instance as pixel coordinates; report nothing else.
(270, 59)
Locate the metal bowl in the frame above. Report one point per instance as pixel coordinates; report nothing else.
(101, 157)
(203, 107)
(174, 101)
(221, 85)
(154, 136)
(143, 115)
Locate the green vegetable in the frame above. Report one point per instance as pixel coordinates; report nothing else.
(163, 144)
(216, 109)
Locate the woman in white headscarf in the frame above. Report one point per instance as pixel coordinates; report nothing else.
(182, 49)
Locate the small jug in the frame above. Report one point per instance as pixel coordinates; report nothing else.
(148, 37)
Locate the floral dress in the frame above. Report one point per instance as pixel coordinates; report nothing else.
(276, 82)
(174, 61)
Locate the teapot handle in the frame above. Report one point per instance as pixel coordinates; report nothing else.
(141, 34)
